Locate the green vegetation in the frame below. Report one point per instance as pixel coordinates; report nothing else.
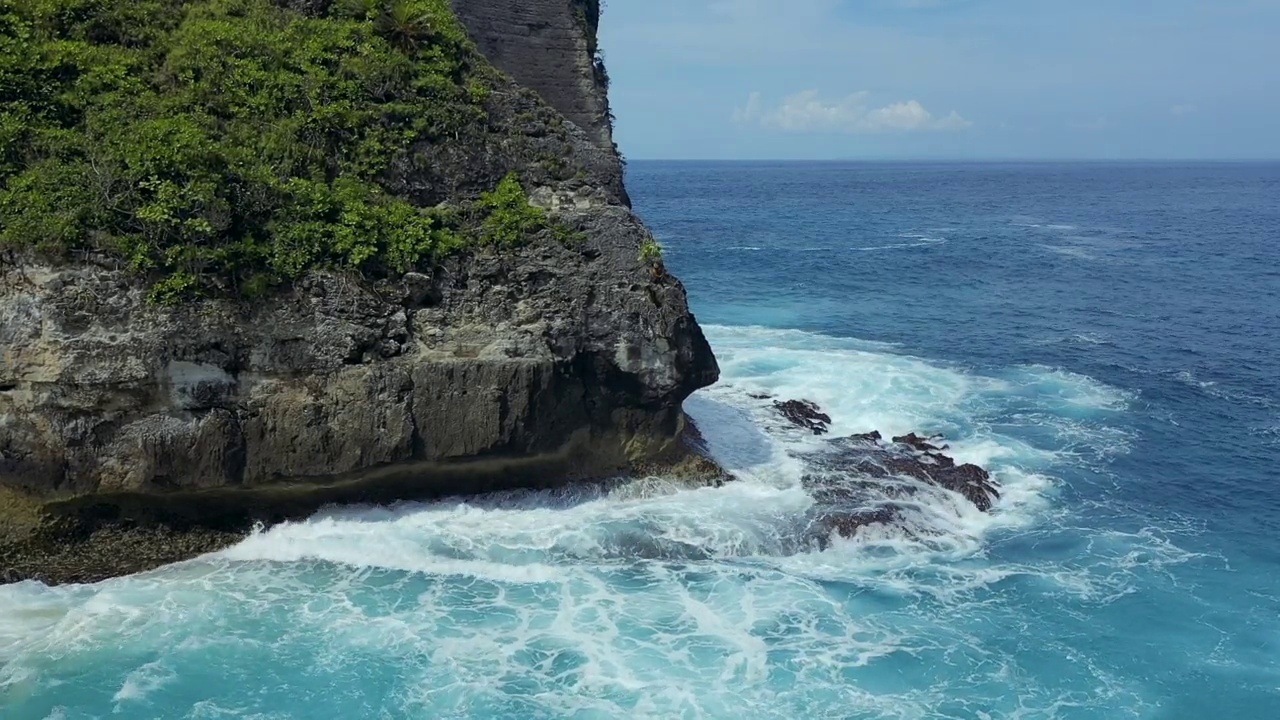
(510, 216)
(651, 252)
(235, 144)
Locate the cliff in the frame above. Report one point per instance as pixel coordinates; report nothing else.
(135, 432)
(548, 46)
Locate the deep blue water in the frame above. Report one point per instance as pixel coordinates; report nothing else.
(1102, 336)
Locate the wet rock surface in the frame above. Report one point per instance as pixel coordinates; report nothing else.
(875, 459)
(105, 552)
(862, 480)
(805, 414)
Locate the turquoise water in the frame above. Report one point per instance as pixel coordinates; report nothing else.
(1102, 337)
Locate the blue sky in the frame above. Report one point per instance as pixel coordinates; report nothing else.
(829, 79)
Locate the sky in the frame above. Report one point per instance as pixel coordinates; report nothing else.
(945, 79)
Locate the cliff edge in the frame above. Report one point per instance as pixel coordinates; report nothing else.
(550, 47)
(135, 432)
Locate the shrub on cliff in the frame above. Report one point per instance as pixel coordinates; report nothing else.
(230, 143)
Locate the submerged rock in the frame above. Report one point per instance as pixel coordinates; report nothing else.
(824, 523)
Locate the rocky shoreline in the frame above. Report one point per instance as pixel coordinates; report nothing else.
(856, 482)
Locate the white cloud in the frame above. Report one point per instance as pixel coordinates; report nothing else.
(1180, 110)
(808, 111)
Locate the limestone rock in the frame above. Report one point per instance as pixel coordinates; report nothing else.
(506, 367)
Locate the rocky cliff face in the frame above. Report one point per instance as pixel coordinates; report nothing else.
(500, 368)
(550, 47)
(509, 355)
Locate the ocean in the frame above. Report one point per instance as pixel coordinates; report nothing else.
(1104, 337)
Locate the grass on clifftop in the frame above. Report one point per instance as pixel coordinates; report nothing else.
(235, 144)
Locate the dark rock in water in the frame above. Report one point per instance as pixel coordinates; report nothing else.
(847, 523)
(874, 460)
(760, 396)
(853, 483)
(847, 470)
(851, 480)
(974, 483)
(919, 443)
(805, 414)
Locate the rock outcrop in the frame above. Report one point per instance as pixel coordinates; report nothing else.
(865, 457)
(508, 367)
(550, 47)
(805, 414)
(853, 479)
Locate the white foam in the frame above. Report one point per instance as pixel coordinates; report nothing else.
(1091, 339)
(921, 241)
(143, 681)
(1086, 338)
(1034, 224)
(1269, 434)
(1070, 251)
(1054, 387)
(1214, 389)
(867, 386)
(860, 386)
